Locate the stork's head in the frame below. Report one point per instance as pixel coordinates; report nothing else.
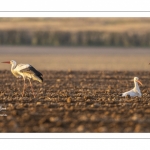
(10, 62)
(136, 79)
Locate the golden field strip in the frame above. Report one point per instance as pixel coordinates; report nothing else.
(77, 58)
(140, 25)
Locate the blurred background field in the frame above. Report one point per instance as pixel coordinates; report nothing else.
(75, 31)
(76, 43)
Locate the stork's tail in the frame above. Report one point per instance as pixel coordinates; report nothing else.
(37, 78)
(41, 79)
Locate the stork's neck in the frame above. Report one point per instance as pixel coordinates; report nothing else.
(13, 65)
(136, 87)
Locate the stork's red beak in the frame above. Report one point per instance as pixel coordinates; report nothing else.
(8, 62)
(140, 82)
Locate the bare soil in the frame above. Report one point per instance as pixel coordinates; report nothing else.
(75, 101)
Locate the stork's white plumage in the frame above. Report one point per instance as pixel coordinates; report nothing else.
(135, 91)
(25, 71)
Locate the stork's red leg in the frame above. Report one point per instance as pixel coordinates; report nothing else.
(31, 88)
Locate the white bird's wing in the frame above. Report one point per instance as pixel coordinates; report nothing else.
(126, 93)
(26, 70)
(132, 93)
(20, 67)
(30, 72)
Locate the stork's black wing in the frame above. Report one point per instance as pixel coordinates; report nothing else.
(31, 70)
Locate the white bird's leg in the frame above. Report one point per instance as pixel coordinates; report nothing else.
(31, 88)
(23, 87)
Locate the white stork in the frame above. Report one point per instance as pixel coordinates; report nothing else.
(25, 71)
(135, 91)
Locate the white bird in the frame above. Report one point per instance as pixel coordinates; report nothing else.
(25, 71)
(135, 91)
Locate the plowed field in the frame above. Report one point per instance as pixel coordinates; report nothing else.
(75, 101)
